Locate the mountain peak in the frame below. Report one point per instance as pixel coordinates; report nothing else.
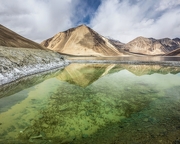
(151, 46)
(141, 38)
(83, 41)
(82, 25)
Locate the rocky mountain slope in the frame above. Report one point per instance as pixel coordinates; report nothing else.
(175, 52)
(81, 41)
(9, 38)
(20, 57)
(116, 43)
(19, 62)
(151, 46)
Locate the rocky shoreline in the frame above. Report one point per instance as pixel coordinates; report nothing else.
(16, 63)
(163, 63)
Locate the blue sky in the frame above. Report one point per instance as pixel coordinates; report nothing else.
(123, 20)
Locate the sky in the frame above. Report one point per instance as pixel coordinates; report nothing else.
(122, 20)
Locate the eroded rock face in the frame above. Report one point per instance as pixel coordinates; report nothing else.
(19, 62)
(151, 46)
(119, 45)
(176, 52)
(81, 41)
(9, 38)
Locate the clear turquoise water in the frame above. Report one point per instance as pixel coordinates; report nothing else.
(94, 103)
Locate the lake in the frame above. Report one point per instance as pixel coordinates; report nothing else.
(93, 104)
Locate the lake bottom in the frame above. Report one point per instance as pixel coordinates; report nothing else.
(96, 103)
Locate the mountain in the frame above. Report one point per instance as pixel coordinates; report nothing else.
(116, 43)
(20, 57)
(9, 38)
(151, 46)
(177, 40)
(119, 45)
(174, 53)
(81, 41)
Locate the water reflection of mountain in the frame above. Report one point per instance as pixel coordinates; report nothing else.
(85, 74)
(26, 82)
(140, 70)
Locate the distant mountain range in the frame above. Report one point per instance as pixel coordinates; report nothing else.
(83, 41)
(151, 46)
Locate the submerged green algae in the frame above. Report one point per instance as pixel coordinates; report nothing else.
(117, 107)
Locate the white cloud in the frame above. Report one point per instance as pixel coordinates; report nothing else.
(124, 20)
(120, 19)
(167, 4)
(37, 19)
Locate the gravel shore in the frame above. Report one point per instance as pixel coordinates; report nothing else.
(19, 62)
(163, 63)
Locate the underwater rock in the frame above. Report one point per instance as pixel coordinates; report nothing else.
(63, 124)
(142, 92)
(40, 116)
(146, 120)
(84, 135)
(153, 91)
(71, 129)
(176, 141)
(45, 125)
(86, 128)
(178, 127)
(43, 134)
(35, 137)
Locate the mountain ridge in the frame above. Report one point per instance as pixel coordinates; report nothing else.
(84, 41)
(81, 40)
(152, 46)
(9, 38)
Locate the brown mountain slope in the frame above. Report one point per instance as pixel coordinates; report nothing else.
(151, 46)
(81, 41)
(9, 38)
(174, 53)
